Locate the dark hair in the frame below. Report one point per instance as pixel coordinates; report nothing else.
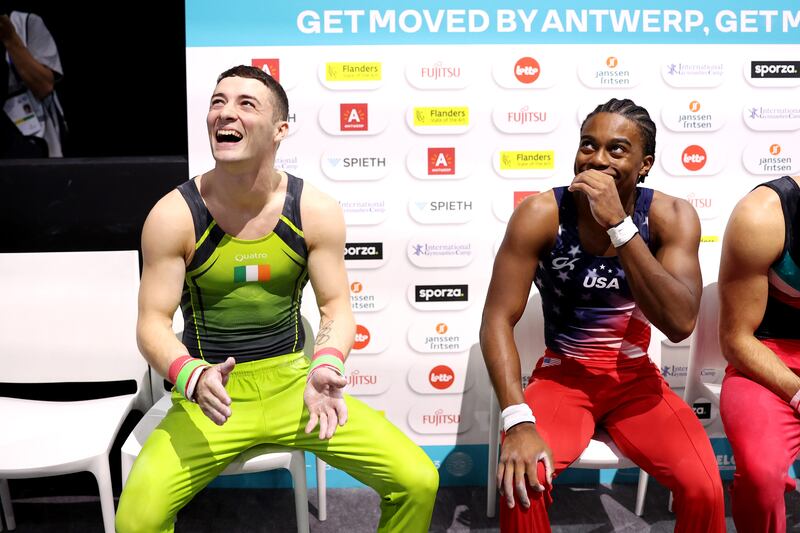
(281, 101)
(628, 109)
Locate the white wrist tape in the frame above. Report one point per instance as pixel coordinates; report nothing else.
(192, 383)
(795, 401)
(517, 414)
(622, 232)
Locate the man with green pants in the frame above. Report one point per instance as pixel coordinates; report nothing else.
(235, 247)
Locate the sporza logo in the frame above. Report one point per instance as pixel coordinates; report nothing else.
(775, 69)
(442, 293)
(354, 251)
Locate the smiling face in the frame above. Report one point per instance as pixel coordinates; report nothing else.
(241, 121)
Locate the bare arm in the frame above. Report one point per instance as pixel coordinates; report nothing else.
(754, 240)
(532, 228)
(36, 77)
(667, 287)
(324, 230)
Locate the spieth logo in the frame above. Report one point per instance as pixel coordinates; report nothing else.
(441, 377)
(362, 338)
(441, 328)
(527, 70)
(612, 62)
(694, 106)
(441, 293)
(358, 162)
(775, 149)
(527, 159)
(694, 158)
(269, 66)
(439, 71)
(775, 69)
(352, 71)
(353, 117)
(525, 115)
(439, 417)
(441, 116)
(355, 251)
(441, 161)
(519, 196)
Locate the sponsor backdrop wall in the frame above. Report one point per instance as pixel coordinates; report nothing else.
(430, 122)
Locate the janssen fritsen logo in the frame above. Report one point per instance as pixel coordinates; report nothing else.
(441, 293)
(612, 62)
(441, 341)
(694, 157)
(775, 164)
(775, 69)
(362, 300)
(775, 149)
(694, 106)
(270, 66)
(441, 161)
(441, 377)
(527, 70)
(353, 117)
(356, 251)
(362, 338)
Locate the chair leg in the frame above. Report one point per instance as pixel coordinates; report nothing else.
(641, 492)
(297, 468)
(102, 473)
(669, 503)
(8, 510)
(494, 446)
(322, 492)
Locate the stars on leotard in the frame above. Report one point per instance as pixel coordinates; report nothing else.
(620, 272)
(538, 282)
(586, 296)
(579, 313)
(574, 250)
(558, 292)
(556, 309)
(563, 276)
(592, 273)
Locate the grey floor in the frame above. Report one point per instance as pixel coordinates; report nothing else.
(41, 506)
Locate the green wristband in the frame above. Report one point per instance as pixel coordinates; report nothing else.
(185, 374)
(330, 360)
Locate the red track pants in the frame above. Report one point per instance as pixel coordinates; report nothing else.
(649, 423)
(764, 432)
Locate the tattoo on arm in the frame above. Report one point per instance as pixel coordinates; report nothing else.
(324, 334)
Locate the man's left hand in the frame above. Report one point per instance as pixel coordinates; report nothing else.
(6, 28)
(601, 190)
(325, 402)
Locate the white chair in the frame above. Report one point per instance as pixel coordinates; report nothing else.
(67, 317)
(256, 459)
(601, 451)
(705, 356)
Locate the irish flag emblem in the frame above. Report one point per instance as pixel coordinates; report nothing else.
(242, 274)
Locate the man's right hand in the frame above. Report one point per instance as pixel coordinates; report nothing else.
(210, 393)
(520, 454)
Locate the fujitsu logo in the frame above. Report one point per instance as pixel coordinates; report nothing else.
(439, 70)
(694, 157)
(356, 378)
(353, 117)
(699, 203)
(524, 115)
(441, 377)
(269, 66)
(441, 161)
(439, 417)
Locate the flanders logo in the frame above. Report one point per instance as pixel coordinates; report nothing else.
(245, 273)
(441, 116)
(527, 160)
(353, 117)
(352, 72)
(709, 238)
(270, 66)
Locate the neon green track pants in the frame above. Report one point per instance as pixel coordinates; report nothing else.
(187, 450)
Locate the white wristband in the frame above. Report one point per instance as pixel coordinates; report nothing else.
(517, 414)
(193, 382)
(795, 401)
(622, 232)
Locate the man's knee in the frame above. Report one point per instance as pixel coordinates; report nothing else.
(134, 516)
(761, 478)
(422, 481)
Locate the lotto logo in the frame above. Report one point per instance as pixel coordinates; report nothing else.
(356, 287)
(353, 117)
(694, 107)
(269, 66)
(527, 70)
(694, 158)
(441, 377)
(441, 161)
(519, 196)
(362, 338)
(612, 62)
(775, 149)
(441, 328)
